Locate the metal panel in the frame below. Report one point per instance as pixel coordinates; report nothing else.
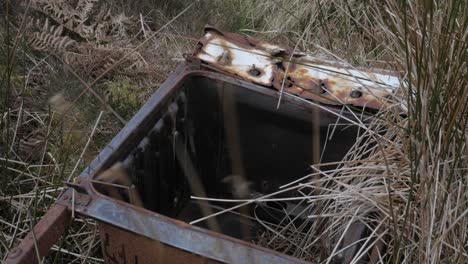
(296, 73)
(178, 234)
(148, 224)
(119, 246)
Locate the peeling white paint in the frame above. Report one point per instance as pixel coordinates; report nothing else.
(258, 63)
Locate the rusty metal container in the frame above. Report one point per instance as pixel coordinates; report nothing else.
(199, 128)
(275, 145)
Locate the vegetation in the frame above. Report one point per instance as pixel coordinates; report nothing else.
(63, 62)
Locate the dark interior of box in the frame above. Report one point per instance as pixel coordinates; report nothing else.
(268, 146)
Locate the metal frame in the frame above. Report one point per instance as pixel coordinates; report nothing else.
(38, 242)
(90, 203)
(135, 221)
(155, 226)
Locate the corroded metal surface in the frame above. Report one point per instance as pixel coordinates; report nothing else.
(49, 229)
(139, 230)
(141, 223)
(144, 225)
(296, 73)
(120, 246)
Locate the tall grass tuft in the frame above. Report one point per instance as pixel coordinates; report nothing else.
(406, 177)
(428, 40)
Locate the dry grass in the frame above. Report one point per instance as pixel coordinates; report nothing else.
(55, 84)
(405, 178)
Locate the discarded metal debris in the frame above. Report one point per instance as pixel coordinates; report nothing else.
(294, 72)
(181, 130)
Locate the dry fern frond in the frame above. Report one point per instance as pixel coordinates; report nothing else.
(83, 36)
(119, 25)
(66, 15)
(50, 38)
(84, 8)
(58, 10)
(94, 60)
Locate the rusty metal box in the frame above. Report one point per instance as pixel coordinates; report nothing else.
(200, 128)
(187, 124)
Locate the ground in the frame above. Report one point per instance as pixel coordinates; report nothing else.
(63, 63)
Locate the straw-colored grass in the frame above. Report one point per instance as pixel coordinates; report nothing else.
(405, 178)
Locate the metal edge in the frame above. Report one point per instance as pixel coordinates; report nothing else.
(155, 226)
(297, 73)
(43, 236)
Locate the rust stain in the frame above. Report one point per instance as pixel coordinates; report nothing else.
(46, 233)
(225, 58)
(120, 246)
(322, 81)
